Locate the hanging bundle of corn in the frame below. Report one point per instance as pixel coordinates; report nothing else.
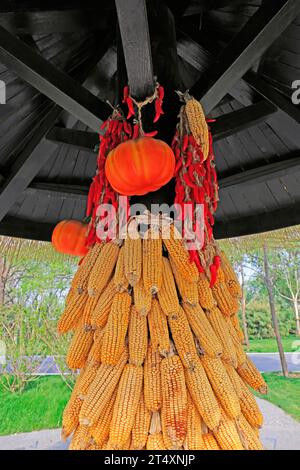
(168, 356)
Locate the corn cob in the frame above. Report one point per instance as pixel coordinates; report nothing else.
(226, 303)
(126, 405)
(88, 377)
(209, 342)
(133, 259)
(249, 407)
(220, 328)
(80, 347)
(158, 328)
(80, 280)
(93, 445)
(240, 353)
(89, 309)
(101, 390)
(141, 426)
(137, 337)
(72, 314)
(203, 395)
(197, 124)
(81, 438)
(248, 434)
(210, 442)
(152, 381)
(236, 323)
(142, 298)
(234, 378)
(95, 351)
(227, 435)
(155, 442)
(179, 254)
(188, 290)
(231, 278)
(152, 262)
(251, 375)
(103, 268)
(100, 430)
(120, 281)
(174, 406)
(183, 338)
(193, 440)
(103, 306)
(70, 296)
(116, 329)
(206, 298)
(167, 295)
(71, 411)
(222, 386)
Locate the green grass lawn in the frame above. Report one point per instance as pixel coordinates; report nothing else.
(270, 345)
(40, 406)
(284, 392)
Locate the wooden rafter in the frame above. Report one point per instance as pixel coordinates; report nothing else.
(133, 23)
(241, 53)
(81, 140)
(52, 82)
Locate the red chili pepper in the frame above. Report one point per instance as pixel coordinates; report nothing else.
(188, 181)
(198, 264)
(161, 93)
(185, 142)
(125, 94)
(104, 125)
(213, 275)
(90, 199)
(177, 167)
(120, 128)
(127, 128)
(151, 134)
(158, 111)
(217, 261)
(130, 107)
(136, 131)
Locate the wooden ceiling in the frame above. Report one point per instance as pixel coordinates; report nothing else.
(61, 61)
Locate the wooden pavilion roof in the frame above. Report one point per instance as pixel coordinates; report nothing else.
(61, 61)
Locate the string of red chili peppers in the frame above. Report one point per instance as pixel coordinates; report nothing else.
(196, 183)
(116, 130)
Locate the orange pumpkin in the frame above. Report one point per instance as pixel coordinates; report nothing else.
(69, 237)
(140, 166)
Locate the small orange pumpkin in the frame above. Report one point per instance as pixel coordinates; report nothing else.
(69, 237)
(139, 166)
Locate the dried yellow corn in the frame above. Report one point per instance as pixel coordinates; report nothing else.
(142, 298)
(198, 125)
(222, 386)
(152, 381)
(126, 405)
(234, 378)
(210, 442)
(187, 290)
(133, 259)
(220, 328)
(80, 280)
(249, 407)
(251, 375)
(183, 338)
(174, 406)
(193, 440)
(141, 425)
(152, 261)
(240, 353)
(155, 442)
(89, 309)
(100, 430)
(158, 328)
(70, 296)
(248, 434)
(203, 395)
(103, 268)
(101, 390)
(81, 438)
(227, 435)
(236, 323)
(103, 306)
(179, 254)
(137, 337)
(226, 303)
(206, 298)
(80, 347)
(209, 342)
(95, 351)
(167, 295)
(231, 278)
(120, 281)
(116, 329)
(72, 314)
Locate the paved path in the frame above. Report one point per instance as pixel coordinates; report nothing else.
(280, 432)
(270, 362)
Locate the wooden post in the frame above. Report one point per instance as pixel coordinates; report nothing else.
(273, 312)
(243, 307)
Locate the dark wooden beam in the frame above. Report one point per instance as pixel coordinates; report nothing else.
(21, 228)
(241, 53)
(263, 173)
(54, 83)
(236, 121)
(81, 140)
(258, 223)
(55, 21)
(268, 92)
(72, 191)
(133, 23)
(35, 150)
